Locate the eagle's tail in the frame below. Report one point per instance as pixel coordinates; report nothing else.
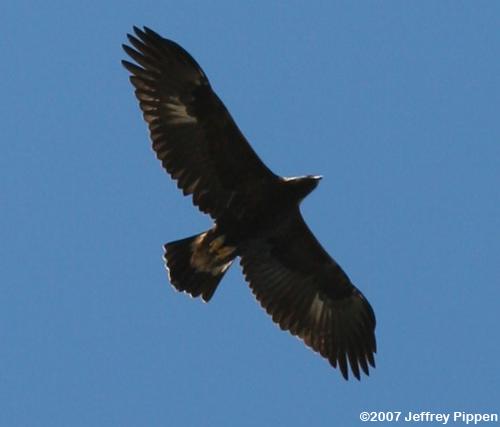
(197, 264)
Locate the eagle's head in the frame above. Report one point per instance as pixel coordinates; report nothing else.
(301, 186)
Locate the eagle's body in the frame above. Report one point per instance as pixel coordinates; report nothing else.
(256, 213)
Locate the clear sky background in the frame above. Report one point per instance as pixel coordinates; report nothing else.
(395, 103)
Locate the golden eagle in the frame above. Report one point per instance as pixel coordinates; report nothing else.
(256, 213)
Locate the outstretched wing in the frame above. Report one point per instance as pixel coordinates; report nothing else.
(307, 293)
(193, 134)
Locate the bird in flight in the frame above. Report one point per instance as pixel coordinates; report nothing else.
(255, 212)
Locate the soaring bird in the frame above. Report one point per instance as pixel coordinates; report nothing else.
(255, 212)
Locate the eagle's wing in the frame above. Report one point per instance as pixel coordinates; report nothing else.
(306, 292)
(193, 134)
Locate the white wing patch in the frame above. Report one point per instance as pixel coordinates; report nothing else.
(177, 112)
(316, 308)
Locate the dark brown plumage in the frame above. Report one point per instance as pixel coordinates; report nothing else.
(256, 213)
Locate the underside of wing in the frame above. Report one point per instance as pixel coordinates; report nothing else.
(193, 134)
(307, 293)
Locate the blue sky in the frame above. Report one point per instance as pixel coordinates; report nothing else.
(395, 103)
